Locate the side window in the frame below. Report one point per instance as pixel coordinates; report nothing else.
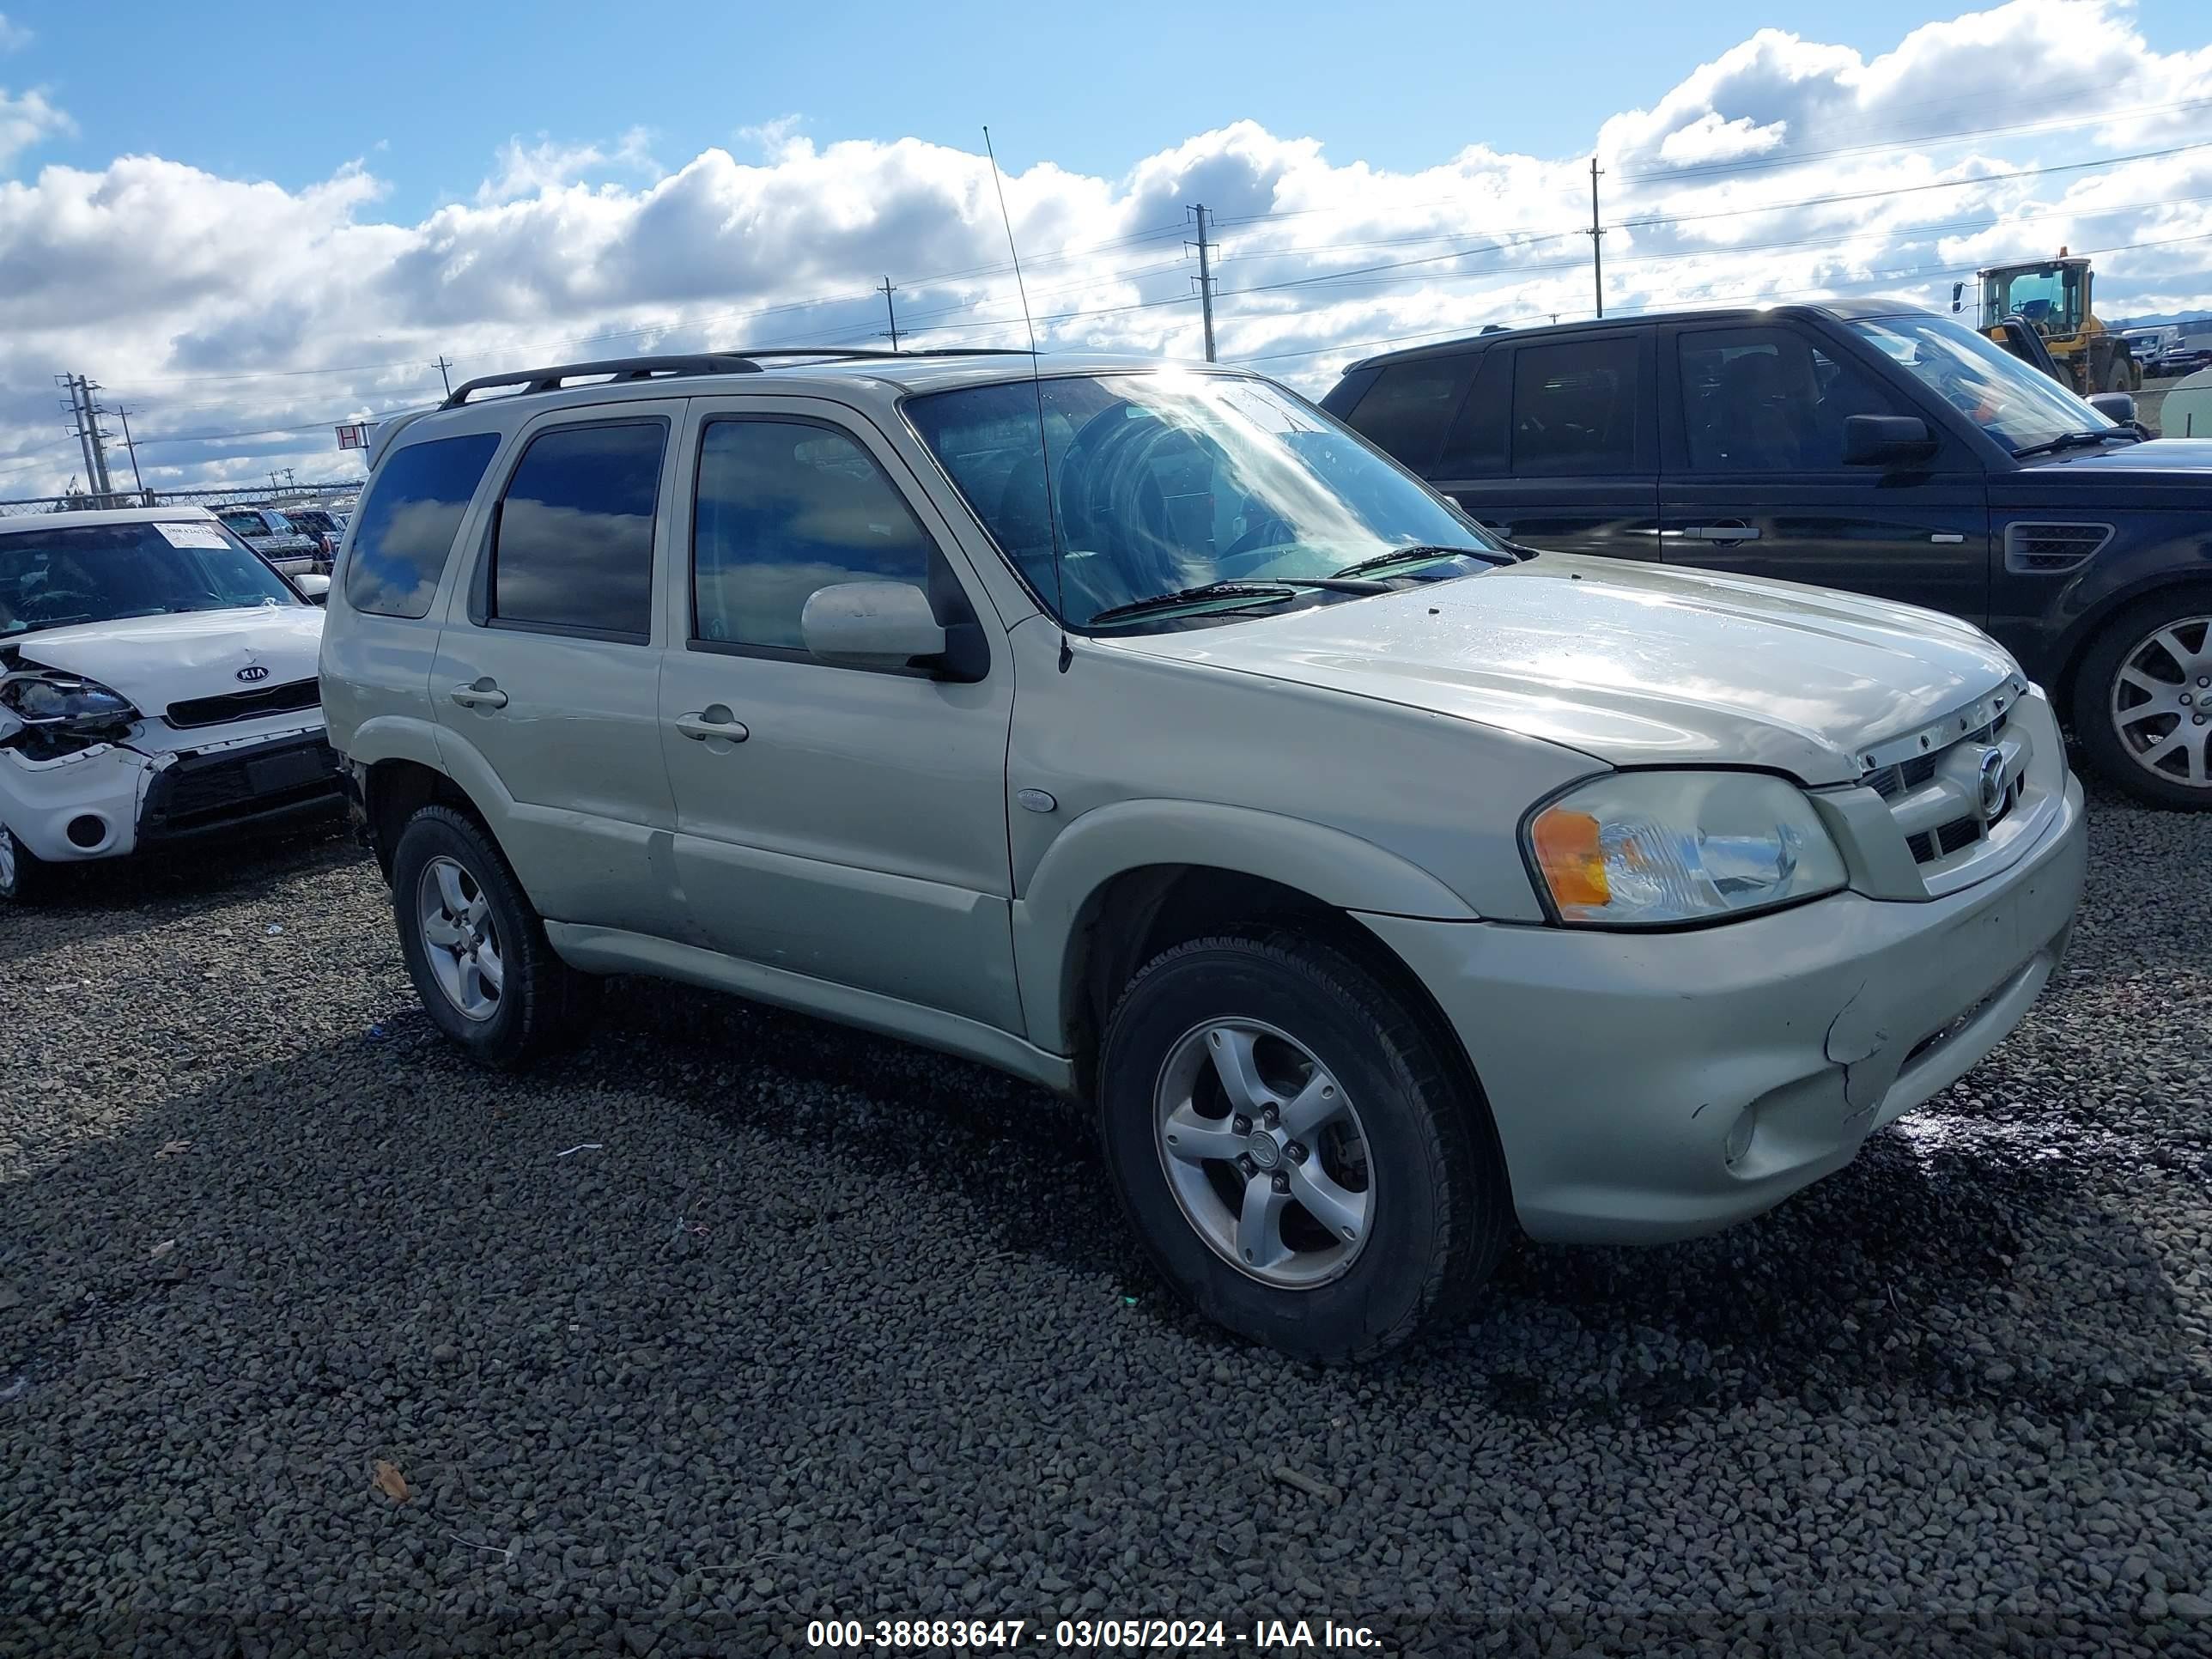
(785, 507)
(1477, 445)
(1768, 400)
(573, 549)
(1574, 407)
(1406, 409)
(408, 522)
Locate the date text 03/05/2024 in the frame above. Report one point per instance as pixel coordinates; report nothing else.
(1273, 1636)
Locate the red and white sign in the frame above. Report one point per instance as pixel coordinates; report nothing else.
(353, 437)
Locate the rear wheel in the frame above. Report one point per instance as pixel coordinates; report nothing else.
(2142, 702)
(24, 876)
(1296, 1151)
(475, 949)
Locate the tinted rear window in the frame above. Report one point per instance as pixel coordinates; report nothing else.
(1574, 408)
(574, 550)
(408, 522)
(1406, 409)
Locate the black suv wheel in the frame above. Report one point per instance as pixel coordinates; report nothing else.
(2142, 700)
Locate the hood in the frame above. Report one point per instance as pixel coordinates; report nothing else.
(157, 661)
(1635, 664)
(2170, 473)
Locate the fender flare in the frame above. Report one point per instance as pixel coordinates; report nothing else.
(1336, 868)
(395, 736)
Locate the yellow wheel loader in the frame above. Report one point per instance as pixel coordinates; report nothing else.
(2051, 298)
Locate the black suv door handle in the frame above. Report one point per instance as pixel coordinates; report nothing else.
(1722, 532)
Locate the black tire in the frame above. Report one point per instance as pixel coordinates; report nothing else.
(2094, 686)
(25, 877)
(1442, 1208)
(543, 1004)
(2122, 378)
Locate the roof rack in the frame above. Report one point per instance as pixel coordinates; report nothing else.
(616, 370)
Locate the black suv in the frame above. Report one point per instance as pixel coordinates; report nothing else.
(1877, 447)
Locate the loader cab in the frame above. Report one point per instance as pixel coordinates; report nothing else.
(2052, 296)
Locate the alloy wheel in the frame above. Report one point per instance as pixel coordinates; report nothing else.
(460, 939)
(1265, 1153)
(2161, 702)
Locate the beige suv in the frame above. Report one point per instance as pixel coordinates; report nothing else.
(1137, 729)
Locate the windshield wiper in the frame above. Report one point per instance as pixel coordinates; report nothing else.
(1422, 554)
(2075, 440)
(1283, 588)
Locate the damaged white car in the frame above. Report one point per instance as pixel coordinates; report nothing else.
(157, 686)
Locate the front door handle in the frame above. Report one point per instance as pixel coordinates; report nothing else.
(479, 694)
(1722, 532)
(713, 721)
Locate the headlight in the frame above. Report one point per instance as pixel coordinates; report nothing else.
(1648, 848)
(41, 699)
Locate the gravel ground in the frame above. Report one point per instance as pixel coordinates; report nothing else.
(814, 1323)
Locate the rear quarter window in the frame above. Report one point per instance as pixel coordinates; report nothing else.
(1405, 413)
(409, 519)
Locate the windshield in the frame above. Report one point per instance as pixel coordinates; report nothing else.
(1164, 481)
(103, 572)
(2018, 406)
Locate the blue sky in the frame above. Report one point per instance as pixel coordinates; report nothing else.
(428, 92)
(252, 223)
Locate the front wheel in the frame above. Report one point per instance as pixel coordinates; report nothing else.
(1298, 1155)
(23, 874)
(2142, 702)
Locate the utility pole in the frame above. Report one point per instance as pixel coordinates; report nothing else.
(80, 427)
(1205, 276)
(888, 290)
(1597, 236)
(442, 367)
(124, 415)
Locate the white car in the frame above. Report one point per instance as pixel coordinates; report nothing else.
(157, 685)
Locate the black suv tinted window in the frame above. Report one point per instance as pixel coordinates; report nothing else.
(408, 522)
(785, 507)
(573, 549)
(1768, 400)
(1574, 407)
(1476, 447)
(1406, 411)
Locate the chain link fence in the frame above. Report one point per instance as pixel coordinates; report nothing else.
(340, 494)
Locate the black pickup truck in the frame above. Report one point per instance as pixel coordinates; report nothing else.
(1875, 448)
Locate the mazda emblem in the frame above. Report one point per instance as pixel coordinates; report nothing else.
(1992, 779)
(255, 672)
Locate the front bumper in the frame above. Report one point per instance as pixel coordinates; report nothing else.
(1624, 1069)
(115, 799)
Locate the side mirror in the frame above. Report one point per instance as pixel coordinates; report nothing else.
(1881, 439)
(315, 590)
(2118, 407)
(889, 625)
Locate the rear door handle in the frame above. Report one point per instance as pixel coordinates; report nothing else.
(714, 722)
(479, 694)
(1722, 532)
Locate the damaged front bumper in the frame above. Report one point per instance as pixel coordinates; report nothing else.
(110, 799)
(1654, 1087)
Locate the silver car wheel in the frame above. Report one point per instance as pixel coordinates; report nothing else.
(2161, 702)
(460, 940)
(1265, 1152)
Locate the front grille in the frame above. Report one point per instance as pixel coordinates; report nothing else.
(1936, 795)
(245, 705)
(204, 793)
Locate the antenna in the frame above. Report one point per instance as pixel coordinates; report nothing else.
(1036, 385)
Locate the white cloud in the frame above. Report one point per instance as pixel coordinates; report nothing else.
(528, 170)
(14, 37)
(26, 120)
(1721, 189)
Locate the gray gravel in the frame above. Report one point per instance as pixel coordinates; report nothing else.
(818, 1323)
